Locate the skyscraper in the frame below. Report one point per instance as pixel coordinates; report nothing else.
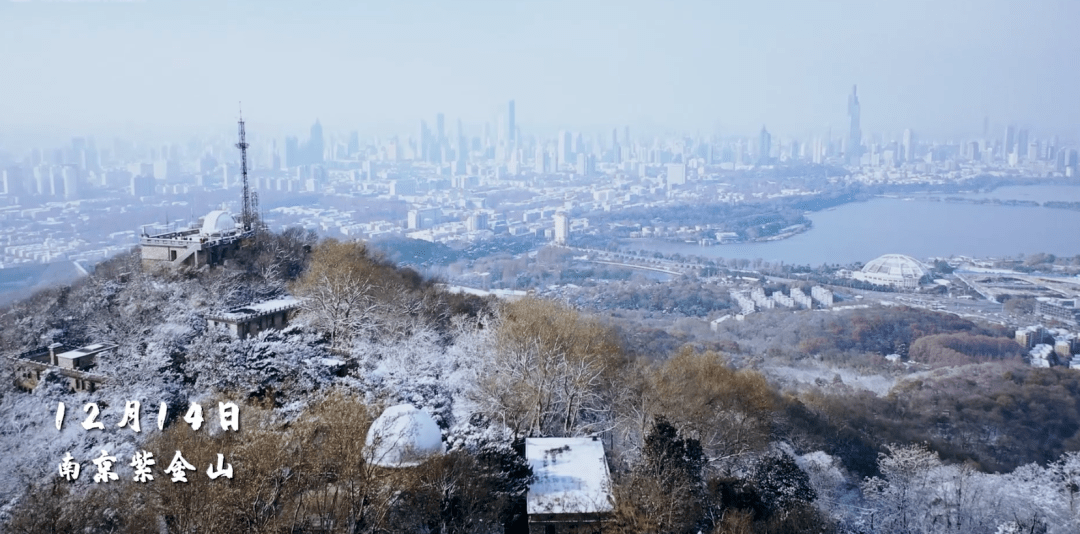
(764, 146)
(1010, 142)
(562, 228)
(511, 125)
(854, 146)
(315, 144)
(564, 149)
(909, 156)
(423, 147)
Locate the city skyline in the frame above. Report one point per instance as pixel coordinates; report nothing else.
(377, 68)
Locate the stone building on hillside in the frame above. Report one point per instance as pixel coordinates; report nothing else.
(74, 364)
(218, 237)
(251, 319)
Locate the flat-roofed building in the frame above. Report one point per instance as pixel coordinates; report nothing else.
(73, 364)
(251, 319)
(571, 488)
(210, 243)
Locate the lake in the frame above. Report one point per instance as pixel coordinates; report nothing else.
(862, 231)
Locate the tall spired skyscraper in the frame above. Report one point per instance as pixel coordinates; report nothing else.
(854, 145)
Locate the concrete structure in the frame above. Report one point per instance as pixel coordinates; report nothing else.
(1063, 310)
(254, 318)
(823, 296)
(1030, 336)
(894, 270)
(746, 304)
(571, 491)
(1042, 355)
(802, 299)
(210, 243)
(676, 174)
(562, 228)
(73, 364)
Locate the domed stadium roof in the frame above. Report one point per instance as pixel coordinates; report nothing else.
(403, 437)
(893, 270)
(896, 265)
(218, 221)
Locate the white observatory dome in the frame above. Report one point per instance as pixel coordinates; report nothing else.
(218, 221)
(403, 437)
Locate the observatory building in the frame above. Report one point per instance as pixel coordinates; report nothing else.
(206, 244)
(895, 270)
(209, 243)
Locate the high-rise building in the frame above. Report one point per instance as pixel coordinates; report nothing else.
(564, 149)
(909, 146)
(586, 164)
(477, 221)
(1010, 142)
(854, 146)
(142, 185)
(71, 179)
(315, 145)
(423, 148)
(1021, 143)
(562, 228)
(511, 125)
(13, 181)
(292, 153)
(676, 174)
(540, 160)
(764, 146)
(440, 128)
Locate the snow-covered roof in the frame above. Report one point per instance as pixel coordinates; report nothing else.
(287, 302)
(85, 351)
(403, 437)
(571, 476)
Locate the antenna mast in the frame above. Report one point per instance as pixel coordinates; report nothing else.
(245, 215)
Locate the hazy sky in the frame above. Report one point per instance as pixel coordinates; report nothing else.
(936, 66)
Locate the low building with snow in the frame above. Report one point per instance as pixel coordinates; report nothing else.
(251, 319)
(1042, 355)
(571, 488)
(73, 364)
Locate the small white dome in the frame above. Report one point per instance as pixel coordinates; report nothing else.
(218, 221)
(403, 437)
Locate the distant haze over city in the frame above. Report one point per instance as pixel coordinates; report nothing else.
(942, 68)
